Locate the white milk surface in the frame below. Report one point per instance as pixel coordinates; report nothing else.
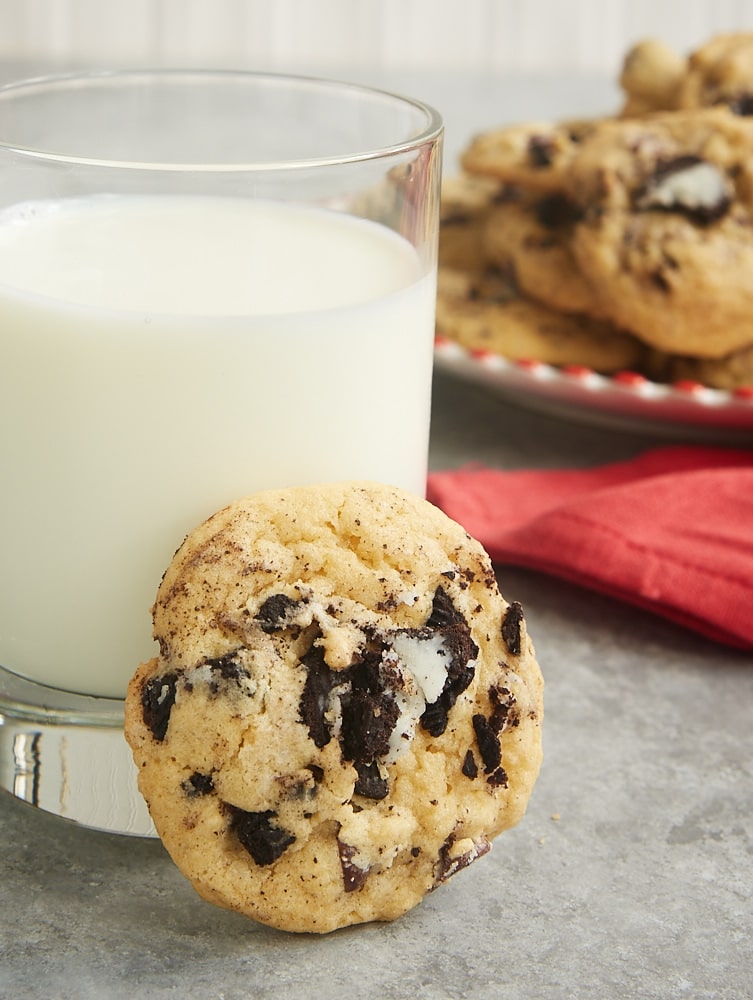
(162, 356)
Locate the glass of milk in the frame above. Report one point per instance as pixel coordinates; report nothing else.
(210, 283)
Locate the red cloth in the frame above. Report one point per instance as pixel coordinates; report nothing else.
(671, 530)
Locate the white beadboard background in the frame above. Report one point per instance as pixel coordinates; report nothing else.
(334, 37)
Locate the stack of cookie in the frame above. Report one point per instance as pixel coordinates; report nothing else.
(615, 243)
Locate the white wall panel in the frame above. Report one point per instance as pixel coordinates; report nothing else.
(194, 31)
(498, 36)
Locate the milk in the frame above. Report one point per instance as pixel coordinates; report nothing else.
(161, 356)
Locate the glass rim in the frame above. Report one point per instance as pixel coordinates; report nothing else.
(431, 131)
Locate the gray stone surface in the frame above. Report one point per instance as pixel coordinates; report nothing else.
(631, 875)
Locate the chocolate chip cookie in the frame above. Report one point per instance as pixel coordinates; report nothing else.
(344, 710)
(666, 229)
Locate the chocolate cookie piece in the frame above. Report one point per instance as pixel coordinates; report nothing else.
(666, 230)
(344, 712)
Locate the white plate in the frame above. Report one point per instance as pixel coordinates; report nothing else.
(626, 400)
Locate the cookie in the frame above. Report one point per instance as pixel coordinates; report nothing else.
(484, 311)
(465, 204)
(666, 231)
(719, 73)
(650, 77)
(344, 710)
(532, 236)
(534, 155)
(734, 371)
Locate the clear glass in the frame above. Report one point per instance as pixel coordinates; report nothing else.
(210, 283)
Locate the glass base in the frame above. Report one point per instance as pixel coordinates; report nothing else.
(66, 754)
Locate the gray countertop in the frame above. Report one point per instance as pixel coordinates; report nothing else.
(630, 876)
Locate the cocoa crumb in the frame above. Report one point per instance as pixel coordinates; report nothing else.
(157, 700)
(488, 743)
(274, 612)
(261, 837)
(320, 680)
(511, 628)
(456, 636)
(470, 767)
(198, 784)
(498, 778)
(540, 151)
(449, 863)
(354, 877)
(370, 782)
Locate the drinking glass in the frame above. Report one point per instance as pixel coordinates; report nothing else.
(210, 283)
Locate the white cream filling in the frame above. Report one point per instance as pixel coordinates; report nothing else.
(427, 659)
(701, 185)
(199, 675)
(411, 704)
(409, 597)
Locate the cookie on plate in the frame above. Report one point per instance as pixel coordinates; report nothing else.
(720, 72)
(734, 371)
(344, 710)
(465, 205)
(483, 310)
(532, 235)
(533, 155)
(666, 232)
(650, 78)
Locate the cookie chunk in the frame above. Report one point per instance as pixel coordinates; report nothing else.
(483, 310)
(666, 231)
(532, 236)
(533, 155)
(344, 710)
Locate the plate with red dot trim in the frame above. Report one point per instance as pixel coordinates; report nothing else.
(625, 399)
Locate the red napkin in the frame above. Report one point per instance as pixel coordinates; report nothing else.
(671, 530)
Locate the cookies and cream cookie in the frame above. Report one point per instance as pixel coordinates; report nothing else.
(483, 310)
(533, 155)
(344, 711)
(720, 72)
(650, 77)
(465, 204)
(666, 229)
(532, 235)
(733, 371)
